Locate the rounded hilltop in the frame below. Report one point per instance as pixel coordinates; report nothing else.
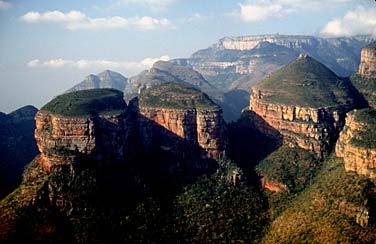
(176, 96)
(87, 102)
(305, 82)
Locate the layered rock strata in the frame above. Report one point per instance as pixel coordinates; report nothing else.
(367, 67)
(356, 143)
(199, 124)
(305, 102)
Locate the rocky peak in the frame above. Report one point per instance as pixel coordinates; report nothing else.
(306, 102)
(367, 67)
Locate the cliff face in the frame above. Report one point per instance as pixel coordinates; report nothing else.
(367, 67)
(62, 140)
(356, 144)
(202, 128)
(199, 125)
(308, 112)
(308, 128)
(239, 62)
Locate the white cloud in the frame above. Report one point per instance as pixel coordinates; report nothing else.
(260, 10)
(127, 66)
(4, 5)
(77, 20)
(355, 22)
(151, 4)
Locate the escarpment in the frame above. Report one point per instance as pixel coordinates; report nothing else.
(185, 113)
(305, 102)
(357, 142)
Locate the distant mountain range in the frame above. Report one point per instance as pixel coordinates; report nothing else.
(105, 79)
(240, 62)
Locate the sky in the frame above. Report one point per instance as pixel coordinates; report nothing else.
(47, 46)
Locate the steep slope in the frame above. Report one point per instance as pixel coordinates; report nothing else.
(357, 142)
(306, 102)
(105, 79)
(187, 113)
(239, 62)
(365, 79)
(17, 146)
(336, 207)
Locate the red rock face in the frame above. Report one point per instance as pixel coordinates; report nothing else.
(62, 139)
(304, 127)
(367, 67)
(204, 128)
(356, 159)
(273, 186)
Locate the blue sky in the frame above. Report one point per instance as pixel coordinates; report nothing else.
(47, 46)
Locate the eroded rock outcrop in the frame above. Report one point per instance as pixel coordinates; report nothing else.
(305, 102)
(367, 67)
(357, 142)
(184, 113)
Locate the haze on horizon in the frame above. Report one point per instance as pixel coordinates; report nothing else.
(47, 46)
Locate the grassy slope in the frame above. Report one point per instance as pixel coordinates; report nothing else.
(87, 102)
(306, 82)
(176, 96)
(367, 87)
(314, 216)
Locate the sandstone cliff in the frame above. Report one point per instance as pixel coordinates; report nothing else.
(365, 79)
(90, 128)
(305, 102)
(357, 142)
(186, 113)
(367, 67)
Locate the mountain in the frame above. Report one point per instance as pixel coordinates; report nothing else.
(101, 162)
(240, 62)
(306, 102)
(163, 72)
(17, 146)
(105, 79)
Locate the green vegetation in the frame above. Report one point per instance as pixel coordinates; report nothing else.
(306, 82)
(325, 211)
(366, 136)
(213, 210)
(87, 102)
(293, 167)
(176, 96)
(367, 87)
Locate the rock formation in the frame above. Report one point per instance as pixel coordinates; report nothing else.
(367, 67)
(185, 112)
(105, 79)
(65, 136)
(305, 102)
(365, 79)
(357, 142)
